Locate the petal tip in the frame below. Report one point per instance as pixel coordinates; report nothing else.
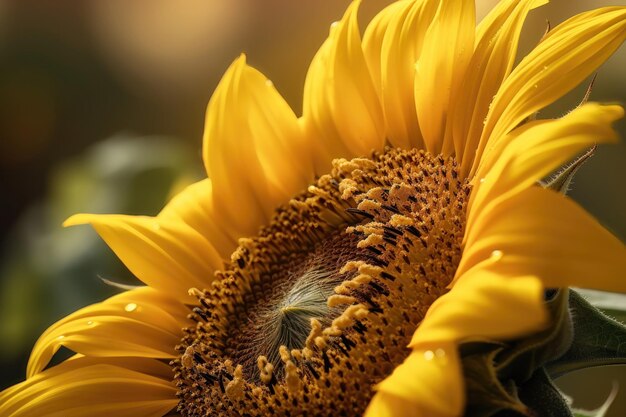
(77, 219)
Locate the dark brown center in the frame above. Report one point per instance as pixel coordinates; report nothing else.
(277, 310)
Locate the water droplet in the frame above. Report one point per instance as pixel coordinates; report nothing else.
(90, 323)
(334, 25)
(130, 307)
(496, 255)
(269, 83)
(156, 226)
(439, 356)
(61, 337)
(482, 180)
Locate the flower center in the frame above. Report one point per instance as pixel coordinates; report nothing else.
(320, 305)
(280, 306)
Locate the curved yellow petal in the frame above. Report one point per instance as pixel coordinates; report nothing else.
(392, 44)
(544, 233)
(496, 48)
(168, 256)
(341, 111)
(251, 140)
(375, 34)
(484, 304)
(560, 62)
(518, 161)
(429, 383)
(194, 207)
(138, 323)
(83, 386)
(448, 47)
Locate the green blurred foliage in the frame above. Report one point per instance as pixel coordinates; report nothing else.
(49, 271)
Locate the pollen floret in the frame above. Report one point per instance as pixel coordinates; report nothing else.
(319, 307)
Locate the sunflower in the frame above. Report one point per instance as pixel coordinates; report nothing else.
(343, 262)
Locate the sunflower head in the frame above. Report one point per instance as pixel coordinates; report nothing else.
(321, 305)
(389, 252)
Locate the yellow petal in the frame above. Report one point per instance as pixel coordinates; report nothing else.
(138, 323)
(251, 140)
(518, 161)
(341, 110)
(392, 44)
(484, 304)
(544, 233)
(428, 383)
(448, 47)
(83, 386)
(561, 61)
(194, 207)
(168, 256)
(375, 34)
(496, 48)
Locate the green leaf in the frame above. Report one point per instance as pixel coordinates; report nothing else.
(598, 340)
(563, 178)
(611, 303)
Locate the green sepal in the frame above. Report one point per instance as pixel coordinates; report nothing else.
(522, 357)
(541, 396)
(487, 396)
(505, 379)
(598, 340)
(561, 181)
(494, 371)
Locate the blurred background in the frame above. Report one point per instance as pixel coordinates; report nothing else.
(101, 110)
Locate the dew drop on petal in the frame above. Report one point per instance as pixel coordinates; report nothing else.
(440, 356)
(130, 307)
(156, 226)
(90, 323)
(482, 180)
(269, 83)
(61, 337)
(496, 255)
(429, 355)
